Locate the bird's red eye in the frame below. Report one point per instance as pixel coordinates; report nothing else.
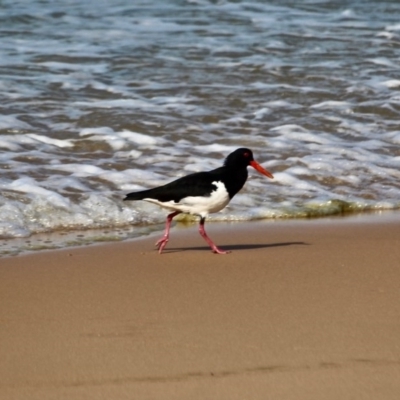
(246, 154)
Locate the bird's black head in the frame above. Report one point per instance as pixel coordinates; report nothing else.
(241, 158)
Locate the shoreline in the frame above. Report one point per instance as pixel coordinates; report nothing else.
(299, 310)
(64, 240)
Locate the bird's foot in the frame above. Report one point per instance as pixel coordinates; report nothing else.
(217, 250)
(161, 244)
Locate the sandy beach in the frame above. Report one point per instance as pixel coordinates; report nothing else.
(298, 310)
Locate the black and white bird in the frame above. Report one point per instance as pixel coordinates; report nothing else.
(202, 193)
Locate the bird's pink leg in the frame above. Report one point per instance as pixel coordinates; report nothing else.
(164, 240)
(203, 233)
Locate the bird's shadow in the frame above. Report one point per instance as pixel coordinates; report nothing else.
(235, 247)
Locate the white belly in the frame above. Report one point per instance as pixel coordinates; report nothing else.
(198, 205)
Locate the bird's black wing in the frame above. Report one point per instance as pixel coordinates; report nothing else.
(197, 184)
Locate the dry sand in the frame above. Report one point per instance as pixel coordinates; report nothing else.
(298, 310)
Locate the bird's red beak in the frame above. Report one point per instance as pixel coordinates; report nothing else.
(260, 169)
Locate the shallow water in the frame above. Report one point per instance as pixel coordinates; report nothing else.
(101, 99)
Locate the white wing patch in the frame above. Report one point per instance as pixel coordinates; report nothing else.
(198, 205)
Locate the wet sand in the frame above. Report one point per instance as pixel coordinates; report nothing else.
(298, 310)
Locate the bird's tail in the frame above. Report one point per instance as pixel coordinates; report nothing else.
(136, 195)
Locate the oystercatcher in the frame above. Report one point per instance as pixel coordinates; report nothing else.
(202, 193)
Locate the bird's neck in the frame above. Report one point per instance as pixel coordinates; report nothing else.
(234, 180)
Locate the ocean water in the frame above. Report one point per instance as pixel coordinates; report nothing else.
(99, 98)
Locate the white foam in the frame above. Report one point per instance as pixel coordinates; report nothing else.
(382, 61)
(216, 148)
(392, 137)
(394, 27)
(332, 104)
(349, 13)
(120, 140)
(9, 144)
(387, 35)
(261, 112)
(31, 187)
(391, 83)
(289, 128)
(100, 130)
(52, 142)
(140, 138)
